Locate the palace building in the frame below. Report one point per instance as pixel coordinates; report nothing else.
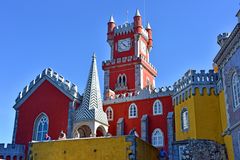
(51, 104)
(197, 118)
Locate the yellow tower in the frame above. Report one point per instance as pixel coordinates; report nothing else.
(197, 109)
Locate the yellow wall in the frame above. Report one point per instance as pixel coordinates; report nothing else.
(227, 138)
(114, 148)
(204, 118)
(207, 112)
(143, 148)
(191, 133)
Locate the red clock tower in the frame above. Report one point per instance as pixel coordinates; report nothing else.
(128, 69)
(131, 101)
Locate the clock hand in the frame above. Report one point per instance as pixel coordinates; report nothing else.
(124, 44)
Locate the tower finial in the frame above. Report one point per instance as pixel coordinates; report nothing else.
(111, 19)
(148, 26)
(137, 13)
(94, 55)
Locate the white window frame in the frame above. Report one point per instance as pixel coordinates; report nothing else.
(236, 91)
(37, 122)
(130, 115)
(154, 108)
(158, 141)
(184, 119)
(109, 109)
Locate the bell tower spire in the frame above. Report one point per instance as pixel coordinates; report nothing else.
(91, 113)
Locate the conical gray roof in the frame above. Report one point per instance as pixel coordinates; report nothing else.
(111, 19)
(137, 13)
(91, 107)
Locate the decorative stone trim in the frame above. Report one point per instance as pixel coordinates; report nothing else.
(186, 86)
(144, 127)
(57, 80)
(120, 127)
(124, 60)
(139, 95)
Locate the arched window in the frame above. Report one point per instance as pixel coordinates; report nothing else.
(124, 80)
(132, 111)
(157, 108)
(109, 112)
(157, 138)
(40, 127)
(236, 90)
(119, 79)
(184, 119)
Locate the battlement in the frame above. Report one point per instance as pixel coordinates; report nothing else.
(187, 85)
(128, 28)
(193, 78)
(221, 39)
(139, 95)
(124, 29)
(12, 150)
(127, 59)
(58, 80)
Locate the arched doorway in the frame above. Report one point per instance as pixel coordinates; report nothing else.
(83, 131)
(100, 131)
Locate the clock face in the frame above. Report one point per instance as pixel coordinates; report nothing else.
(143, 47)
(124, 45)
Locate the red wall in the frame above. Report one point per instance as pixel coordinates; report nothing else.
(144, 107)
(146, 74)
(48, 99)
(130, 73)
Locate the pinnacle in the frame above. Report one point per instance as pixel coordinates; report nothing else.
(137, 13)
(148, 26)
(94, 56)
(111, 19)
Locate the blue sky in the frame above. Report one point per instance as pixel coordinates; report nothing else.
(63, 35)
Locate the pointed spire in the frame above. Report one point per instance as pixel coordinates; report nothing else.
(137, 13)
(111, 19)
(148, 26)
(91, 107)
(94, 56)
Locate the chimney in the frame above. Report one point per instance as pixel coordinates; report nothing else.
(222, 38)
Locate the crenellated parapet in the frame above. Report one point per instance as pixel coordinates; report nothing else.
(128, 59)
(129, 28)
(58, 80)
(12, 151)
(124, 29)
(146, 93)
(187, 85)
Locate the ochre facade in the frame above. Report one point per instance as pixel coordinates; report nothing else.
(204, 117)
(115, 148)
